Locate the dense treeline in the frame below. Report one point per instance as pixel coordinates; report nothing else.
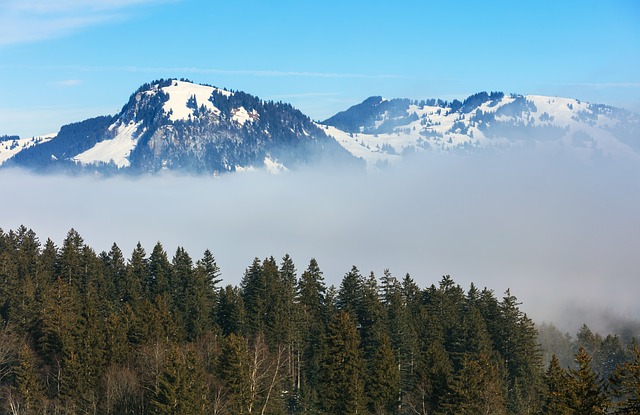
(102, 334)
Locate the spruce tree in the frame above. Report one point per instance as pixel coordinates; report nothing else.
(477, 388)
(311, 301)
(253, 286)
(626, 384)
(383, 379)
(234, 370)
(158, 277)
(587, 395)
(557, 383)
(115, 271)
(132, 287)
(433, 374)
(342, 368)
(350, 292)
(210, 272)
(29, 390)
(230, 313)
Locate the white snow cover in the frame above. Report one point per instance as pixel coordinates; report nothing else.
(274, 167)
(434, 130)
(10, 148)
(241, 169)
(241, 116)
(271, 166)
(116, 150)
(367, 146)
(179, 94)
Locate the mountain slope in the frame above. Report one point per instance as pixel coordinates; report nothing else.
(380, 130)
(181, 126)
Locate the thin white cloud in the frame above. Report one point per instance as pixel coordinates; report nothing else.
(68, 82)
(600, 85)
(245, 72)
(24, 21)
(304, 95)
(217, 71)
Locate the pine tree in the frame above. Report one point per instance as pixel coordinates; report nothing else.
(587, 395)
(291, 335)
(383, 379)
(230, 314)
(350, 292)
(70, 263)
(210, 271)
(433, 375)
(234, 371)
(115, 270)
(46, 271)
(181, 386)
(557, 382)
(477, 388)
(343, 368)
(626, 384)
(195, 299)
(253, 287)
(22, 291)
(132, 287)
(517, 344)
(29, 389)
(401, 331)
(312, 319)
(158, 274)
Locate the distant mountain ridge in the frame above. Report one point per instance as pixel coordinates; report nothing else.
(178, 125)
(381, 130)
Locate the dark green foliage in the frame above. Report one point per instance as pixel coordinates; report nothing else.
(626, 384)
(29, 391)
(230, 312)
(557, 382)
(586, 394)
(477, 388)
(98, 334)
(343, 368)
(181, 388)
(235, 373)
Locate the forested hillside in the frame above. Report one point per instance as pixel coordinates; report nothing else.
(104, 333)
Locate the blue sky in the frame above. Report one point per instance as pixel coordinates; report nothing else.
(69, 60)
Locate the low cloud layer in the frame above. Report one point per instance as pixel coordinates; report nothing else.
(561, 235)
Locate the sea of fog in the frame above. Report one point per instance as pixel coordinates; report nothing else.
(564, 236)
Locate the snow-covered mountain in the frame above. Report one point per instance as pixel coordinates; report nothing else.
(12, 145)
(382, 131)
(181, 126)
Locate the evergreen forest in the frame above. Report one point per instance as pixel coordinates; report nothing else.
(153, 333)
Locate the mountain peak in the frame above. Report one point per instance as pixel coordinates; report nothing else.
(180, 125)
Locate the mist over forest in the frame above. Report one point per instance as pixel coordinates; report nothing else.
(561, 234)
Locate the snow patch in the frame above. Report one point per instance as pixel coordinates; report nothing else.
(10, 148)
(274, 167)
(241, 116)
(116, 150)
(179, 94)
(242, 169)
